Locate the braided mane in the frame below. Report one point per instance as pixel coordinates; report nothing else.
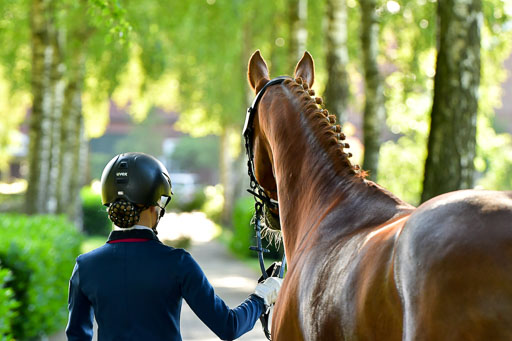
(324, 125)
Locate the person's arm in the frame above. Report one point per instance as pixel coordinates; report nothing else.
(81, 314)
(226, 323)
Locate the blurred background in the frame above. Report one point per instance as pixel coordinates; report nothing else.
(420, 87)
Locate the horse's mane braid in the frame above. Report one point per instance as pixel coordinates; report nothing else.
(324, 125)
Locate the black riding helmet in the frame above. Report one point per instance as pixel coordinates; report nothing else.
(138, 178)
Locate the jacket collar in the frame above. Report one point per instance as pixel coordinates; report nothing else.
(139, 234)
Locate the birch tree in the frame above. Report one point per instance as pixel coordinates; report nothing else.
(57, 86)
(298, 34)
(40, 119)
(72, 158)
(336, 91)
(374, 110)
(452, 139)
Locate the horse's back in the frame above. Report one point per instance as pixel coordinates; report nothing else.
(453, 268)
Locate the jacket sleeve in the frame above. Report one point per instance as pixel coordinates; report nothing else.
(81, 314)
(226, 323)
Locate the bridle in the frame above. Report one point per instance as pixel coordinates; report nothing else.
(261, 198)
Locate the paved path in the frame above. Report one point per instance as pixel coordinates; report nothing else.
(233, 282)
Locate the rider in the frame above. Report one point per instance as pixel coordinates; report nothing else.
(134, 284)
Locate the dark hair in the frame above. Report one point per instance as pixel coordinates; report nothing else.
(123, 213)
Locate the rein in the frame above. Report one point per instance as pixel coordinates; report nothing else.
(261, 199)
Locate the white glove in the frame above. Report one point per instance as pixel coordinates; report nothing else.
(269, 289)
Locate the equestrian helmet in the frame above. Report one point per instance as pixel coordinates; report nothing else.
(138, 178)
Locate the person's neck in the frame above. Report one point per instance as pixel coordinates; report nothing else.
(148, 218)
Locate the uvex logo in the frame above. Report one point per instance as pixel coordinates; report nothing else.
(122, 174)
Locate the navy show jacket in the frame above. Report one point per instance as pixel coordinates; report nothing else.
(134, 286)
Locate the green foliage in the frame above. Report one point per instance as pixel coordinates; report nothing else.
(214, 202)
(196, 154)
(196, 203)
(111, 14)
(409, 45)
(95, 218)
(8, 304)
(494, 160)
(40, 252)
(137, 140)
(401, 168)
(243, 232)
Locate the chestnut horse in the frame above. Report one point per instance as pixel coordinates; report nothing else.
(363, 264)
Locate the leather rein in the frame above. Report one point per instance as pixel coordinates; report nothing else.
(261, 199)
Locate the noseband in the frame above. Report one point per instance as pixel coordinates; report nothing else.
(261, 197)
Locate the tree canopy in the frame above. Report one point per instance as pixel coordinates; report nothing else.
(190, 57)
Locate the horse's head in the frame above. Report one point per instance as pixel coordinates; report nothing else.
(258, 77)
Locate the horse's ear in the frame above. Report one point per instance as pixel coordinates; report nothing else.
(305, 69)
(257, 71)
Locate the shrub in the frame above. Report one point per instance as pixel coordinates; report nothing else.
(96, 220)
(244, 235)
(243, 232)
(181, 204)
(7, 304)
(214, 202)
(40, 252)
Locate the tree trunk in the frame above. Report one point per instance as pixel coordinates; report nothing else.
(374, 111)
(226, 174)
(298, 33)
(336, 91)
(40, 120)
(80, 164)
(451, 144)
(57, 86)
(71, 174)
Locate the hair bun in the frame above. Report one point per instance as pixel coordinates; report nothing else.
(123, 213)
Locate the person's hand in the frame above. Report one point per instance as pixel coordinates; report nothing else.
(269, 289)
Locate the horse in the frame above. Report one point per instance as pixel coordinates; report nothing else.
(362, 263)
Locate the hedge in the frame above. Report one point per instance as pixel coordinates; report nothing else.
(96, 222)
(7, 304)
(40, 252)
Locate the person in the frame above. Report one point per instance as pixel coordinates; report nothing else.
(134, 285)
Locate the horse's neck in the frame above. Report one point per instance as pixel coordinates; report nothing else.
(312, 194)
(342, 208)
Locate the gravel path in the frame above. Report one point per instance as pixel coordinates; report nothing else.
(233, 282)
